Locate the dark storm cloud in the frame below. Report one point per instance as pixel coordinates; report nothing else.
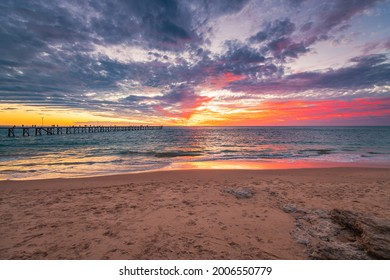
(45, 45)
(370, 60)
(277, 39)
(369, 70)
(365, 72)
(178, 94)
(280, 40)
(278, 35)
(276, 29)
(238, 59)
(159, 24)
(281, 28)
(258, 37)
(285, 47)
(29, 27)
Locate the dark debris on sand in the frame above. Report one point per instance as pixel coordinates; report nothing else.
(240, 193)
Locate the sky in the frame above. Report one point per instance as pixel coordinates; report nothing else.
(200, 62)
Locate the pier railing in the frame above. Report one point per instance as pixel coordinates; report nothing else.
(26, 131)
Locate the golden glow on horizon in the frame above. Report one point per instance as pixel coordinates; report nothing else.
(208, 112)
(292, 112)
(15, 114)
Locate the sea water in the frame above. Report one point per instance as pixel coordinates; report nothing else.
(78, 155)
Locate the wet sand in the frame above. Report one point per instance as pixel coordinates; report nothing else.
(187, 214)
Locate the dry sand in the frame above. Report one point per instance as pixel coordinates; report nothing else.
(187, 214)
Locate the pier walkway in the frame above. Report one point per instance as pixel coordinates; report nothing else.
(26, 131)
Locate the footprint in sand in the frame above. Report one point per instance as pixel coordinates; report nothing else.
(109, 233)
(191, 223)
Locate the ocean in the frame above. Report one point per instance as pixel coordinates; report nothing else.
(81, 155)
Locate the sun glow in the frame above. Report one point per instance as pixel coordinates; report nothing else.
(208, 110)
(13, 114)
(294, 112)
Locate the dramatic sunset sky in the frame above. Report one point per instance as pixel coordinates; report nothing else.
(202, 62)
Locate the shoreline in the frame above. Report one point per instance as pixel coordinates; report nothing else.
(190, 214)
(120, 177)
(221, 165)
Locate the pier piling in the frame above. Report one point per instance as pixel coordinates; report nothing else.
(66, 130)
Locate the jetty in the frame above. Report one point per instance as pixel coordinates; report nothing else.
(27, 131)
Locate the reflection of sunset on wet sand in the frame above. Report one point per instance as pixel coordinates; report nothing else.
(261, 165)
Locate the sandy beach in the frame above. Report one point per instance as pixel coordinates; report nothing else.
(199, 214)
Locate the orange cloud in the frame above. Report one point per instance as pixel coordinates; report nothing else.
(302, 112)
(184, 109)
(223, 80)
